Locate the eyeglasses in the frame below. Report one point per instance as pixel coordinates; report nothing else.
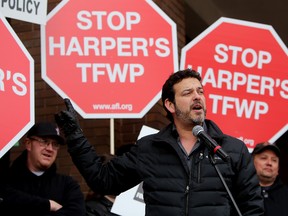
(46, 142)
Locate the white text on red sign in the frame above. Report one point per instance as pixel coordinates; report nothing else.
(234, 80)
(17, 82)
(105, 46)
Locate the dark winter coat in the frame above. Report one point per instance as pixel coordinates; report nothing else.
(39, 189)
(276, 199)
(170, 188)
(99, 207)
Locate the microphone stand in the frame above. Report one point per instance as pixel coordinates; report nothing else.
(213, 162)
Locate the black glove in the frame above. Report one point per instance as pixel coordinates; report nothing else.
(67, 122)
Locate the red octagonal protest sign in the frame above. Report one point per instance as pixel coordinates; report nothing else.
(244, 69)
(16, 88)
(110, 58)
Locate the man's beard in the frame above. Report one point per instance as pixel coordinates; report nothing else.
(186, 116)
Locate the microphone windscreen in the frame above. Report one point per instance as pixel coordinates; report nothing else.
(197, 129)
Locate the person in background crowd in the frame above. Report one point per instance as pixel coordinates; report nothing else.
(34, 174)
(178, 177)
(266, 160)
(7, 193)
(4, 164)
(4, 167)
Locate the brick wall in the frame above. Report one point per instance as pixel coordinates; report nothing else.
(48, 102)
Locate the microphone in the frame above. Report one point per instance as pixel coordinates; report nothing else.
(198, 131)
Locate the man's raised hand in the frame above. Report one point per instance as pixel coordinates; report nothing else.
(67, 121)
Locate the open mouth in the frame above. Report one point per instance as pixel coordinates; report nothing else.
(197, 107)
(47, 155)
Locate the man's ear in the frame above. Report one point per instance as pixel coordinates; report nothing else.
(28, 143)
(170, 106)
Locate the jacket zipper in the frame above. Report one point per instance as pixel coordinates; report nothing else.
(201, 155)
(199, 167)
(187, 198)
(187, 194)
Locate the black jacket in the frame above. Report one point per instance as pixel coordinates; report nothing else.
(169, 187)
(276, 199)
(99, 207)
(37, 190)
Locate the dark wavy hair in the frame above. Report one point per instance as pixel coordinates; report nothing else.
(168, 90)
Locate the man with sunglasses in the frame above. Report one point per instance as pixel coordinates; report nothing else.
(34, 173)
